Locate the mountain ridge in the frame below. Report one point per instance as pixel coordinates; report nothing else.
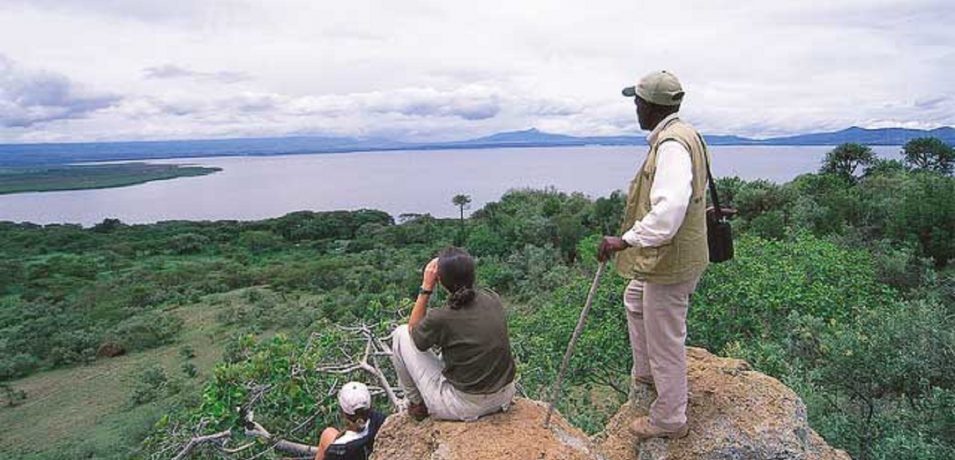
(61, 153)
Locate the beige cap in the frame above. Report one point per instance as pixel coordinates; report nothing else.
(661, 88)
(354, 396)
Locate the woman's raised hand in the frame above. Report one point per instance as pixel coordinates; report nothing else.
(430, 277)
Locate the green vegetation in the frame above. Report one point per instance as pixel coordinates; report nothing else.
(929, 153)
(77, 177)
(842, 287)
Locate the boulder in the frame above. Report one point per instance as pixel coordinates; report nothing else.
(517, 434)
(110, 350)
(734, 413)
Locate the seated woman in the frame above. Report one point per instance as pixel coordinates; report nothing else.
(362, 422)
(474, 375)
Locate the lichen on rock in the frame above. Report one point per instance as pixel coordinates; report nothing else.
(517, 434)
(733, 412)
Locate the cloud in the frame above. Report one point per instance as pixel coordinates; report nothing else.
(429, 69)
(150, 11)
(29, 97)
(469, 102)
(174, 71)
(412, 113)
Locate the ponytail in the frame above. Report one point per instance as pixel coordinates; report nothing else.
(461, 297)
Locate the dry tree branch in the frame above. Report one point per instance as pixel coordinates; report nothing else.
(374, 346)
(198, 440)
(283, 445)
(290, 447)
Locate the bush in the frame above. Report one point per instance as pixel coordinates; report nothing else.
(148, 330)
(885, 381)
(17, 365)
(926, 216)
(150, 385)
(187, 243)
(190, 370)
(186, 352)
(751, 297)
(900, 265)
(769, 225)
(11, 396)
(259, 241)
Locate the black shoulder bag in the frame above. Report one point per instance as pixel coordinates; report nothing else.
(719, 234)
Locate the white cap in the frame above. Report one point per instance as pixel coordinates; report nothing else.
(354, 396)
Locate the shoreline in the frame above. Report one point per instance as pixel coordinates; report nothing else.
(61, 178)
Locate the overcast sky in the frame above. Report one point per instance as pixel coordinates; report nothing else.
(438, 70)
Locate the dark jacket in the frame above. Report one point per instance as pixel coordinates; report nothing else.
(361, 448)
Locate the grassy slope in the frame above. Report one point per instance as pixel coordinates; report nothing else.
(86, 408)
(69, 177)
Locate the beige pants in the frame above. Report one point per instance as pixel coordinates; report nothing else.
(420, 375)
(656, 319)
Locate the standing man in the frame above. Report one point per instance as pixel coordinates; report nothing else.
(663, 251)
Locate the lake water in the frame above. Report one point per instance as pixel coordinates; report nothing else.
(250, 188)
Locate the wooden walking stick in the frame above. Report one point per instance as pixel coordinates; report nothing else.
(555, 391)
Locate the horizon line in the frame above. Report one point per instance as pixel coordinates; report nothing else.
(409, 144)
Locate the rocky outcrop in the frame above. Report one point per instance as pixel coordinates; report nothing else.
(734, 413)
(517, 434)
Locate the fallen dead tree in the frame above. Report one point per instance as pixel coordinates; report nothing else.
(373, 348)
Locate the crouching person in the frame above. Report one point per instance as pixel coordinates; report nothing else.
(357, 440)
(474, 374)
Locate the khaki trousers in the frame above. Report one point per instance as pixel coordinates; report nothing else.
(656, 319)
(420, 375)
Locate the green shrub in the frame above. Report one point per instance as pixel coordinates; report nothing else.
(751, 297)
(885, 381)
(926, 216)
(148, 330)
(186, 352)
(11, 396)
(17, 365)
(187, 243)
(190, 370)
(150, 385)
(260, 241)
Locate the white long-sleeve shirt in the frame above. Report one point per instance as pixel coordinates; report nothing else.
(669, 194)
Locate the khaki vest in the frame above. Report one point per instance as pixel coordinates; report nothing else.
(686, 255)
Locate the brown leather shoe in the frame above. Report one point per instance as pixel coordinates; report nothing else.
(418, 411)
(643, 429)
(644, 379)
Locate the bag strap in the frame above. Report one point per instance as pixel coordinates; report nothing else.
(709, 179)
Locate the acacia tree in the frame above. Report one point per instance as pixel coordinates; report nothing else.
(930, 154)
(462, 202)
(846, 159)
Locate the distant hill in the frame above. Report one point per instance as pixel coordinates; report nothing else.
(527, 136)
(535, 138)
(881, 136)
(43, 154)
(60, 153)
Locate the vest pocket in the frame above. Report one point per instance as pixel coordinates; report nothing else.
(650, 257)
